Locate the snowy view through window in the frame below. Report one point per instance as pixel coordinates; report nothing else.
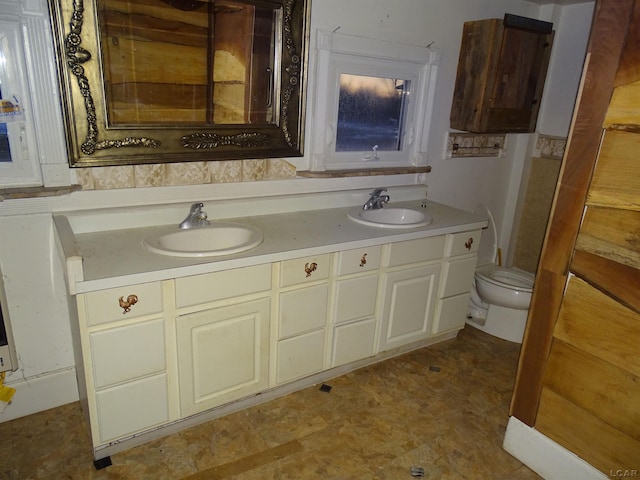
(371, 113)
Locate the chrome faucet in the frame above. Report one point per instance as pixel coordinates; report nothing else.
(376, 199)
(196, 217)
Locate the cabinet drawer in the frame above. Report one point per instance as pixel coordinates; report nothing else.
(359, 260)
(303, 310)
(216, 286)
(132, 407)
(104, 306)
(353, 341)
(451, 313)
(128, 352)
(458, 276)
(356, 298)
(304, 270)
(300, 356)
(462, 243)
(413, 251)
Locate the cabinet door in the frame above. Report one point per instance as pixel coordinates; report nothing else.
(409, 301)
(501, 72)
(223, 355)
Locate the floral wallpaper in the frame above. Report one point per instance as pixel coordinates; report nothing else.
(187, 173)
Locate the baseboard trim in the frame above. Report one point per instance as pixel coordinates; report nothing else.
(36, 394)
(544, 456)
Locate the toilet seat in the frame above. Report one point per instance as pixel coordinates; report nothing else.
(507, 277)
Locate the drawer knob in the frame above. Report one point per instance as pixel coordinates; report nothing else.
(468, 243)
(310, 268)
(128, 303)
(363, 260)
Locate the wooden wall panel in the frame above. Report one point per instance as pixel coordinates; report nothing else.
(623, 111)
(615, 180)
(620, 281)
(608, 36)
(605, 447)
(590, 390)
(611, 233)
(594, 322)
(598, 387)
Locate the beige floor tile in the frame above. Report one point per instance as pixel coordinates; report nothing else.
(443, 408)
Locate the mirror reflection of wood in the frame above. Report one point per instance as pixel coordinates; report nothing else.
(151, 81)
(188, 61)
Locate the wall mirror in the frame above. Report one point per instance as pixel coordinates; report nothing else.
(153, 81)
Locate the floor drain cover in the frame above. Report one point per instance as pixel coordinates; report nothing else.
(417, 472)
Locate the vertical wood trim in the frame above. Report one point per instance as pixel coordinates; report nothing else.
(608, 35)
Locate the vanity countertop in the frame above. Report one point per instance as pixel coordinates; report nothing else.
(108, 259)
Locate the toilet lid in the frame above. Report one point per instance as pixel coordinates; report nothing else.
(488, 248)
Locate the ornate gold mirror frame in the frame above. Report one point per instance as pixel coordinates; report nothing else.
(94, 138)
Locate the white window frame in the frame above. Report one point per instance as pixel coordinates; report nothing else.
(24, 168)
(340, 53)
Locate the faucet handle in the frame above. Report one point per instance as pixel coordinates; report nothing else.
(378, 191)
(196, 208)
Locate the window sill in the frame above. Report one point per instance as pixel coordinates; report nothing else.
(365, 172)
(33, 192)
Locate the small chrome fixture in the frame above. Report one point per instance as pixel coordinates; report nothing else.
(196, 217)
(376, 199)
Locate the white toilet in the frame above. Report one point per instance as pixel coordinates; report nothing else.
(500, 296)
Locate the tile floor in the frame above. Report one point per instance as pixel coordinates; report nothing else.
(443, 408)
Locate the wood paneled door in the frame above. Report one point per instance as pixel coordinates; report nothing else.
(578, 379)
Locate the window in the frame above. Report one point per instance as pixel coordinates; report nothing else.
(19, 162)
(371, 113)
(374, 101)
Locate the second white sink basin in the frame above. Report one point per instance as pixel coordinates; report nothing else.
(390, 217)
(217, 239)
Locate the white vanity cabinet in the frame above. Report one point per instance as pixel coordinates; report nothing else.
(410, 288)
(222, 336)
(198, 339)
(303, 303)
(458, 269)
(122, 333)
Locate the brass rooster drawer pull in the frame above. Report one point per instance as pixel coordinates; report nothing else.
(128, 303)
(468, 243)
(363, 260)
(310, 268)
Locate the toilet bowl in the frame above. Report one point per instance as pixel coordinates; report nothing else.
(500, 296)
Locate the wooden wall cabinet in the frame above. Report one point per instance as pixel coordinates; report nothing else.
(501, 72)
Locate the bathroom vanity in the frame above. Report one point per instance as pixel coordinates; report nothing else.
(163, 342)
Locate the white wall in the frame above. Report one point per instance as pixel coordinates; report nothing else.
(572, 24)
(33, 273)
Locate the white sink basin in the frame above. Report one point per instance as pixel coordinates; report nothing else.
(217, 239)
(390, 217)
